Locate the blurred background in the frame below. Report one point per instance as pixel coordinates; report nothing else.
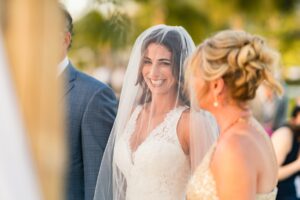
(105, 30)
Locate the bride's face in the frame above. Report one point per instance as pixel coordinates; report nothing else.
(157, 69)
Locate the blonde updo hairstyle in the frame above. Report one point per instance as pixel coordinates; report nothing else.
(243, 60)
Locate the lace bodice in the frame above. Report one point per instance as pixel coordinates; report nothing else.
(158, 169)
(202, 185)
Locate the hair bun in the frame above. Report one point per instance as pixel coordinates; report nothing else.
(243, 60)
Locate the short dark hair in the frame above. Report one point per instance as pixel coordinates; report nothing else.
(295, 111)
(68, 21)
(172, 40)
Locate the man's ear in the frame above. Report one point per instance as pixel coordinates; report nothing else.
(67, 39)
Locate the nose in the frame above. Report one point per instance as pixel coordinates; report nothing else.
(154, 71)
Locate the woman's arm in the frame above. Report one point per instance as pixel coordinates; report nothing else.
(183, 130)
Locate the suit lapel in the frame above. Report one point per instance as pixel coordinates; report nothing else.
(70, 75)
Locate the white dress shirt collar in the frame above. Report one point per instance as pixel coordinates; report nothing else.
(63, 65)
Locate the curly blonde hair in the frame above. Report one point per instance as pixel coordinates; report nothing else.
(243, 60)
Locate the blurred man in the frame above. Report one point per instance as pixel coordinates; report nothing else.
(269, 109)
(90, 107)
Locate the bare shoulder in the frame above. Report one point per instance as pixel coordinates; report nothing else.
(235, 148)
(231, 165)
(183, 130)
(185, 116)
(283, 133)
(184, 121)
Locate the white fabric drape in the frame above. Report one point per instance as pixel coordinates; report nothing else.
(17, 178)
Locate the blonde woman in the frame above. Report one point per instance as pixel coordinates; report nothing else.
(225, 72)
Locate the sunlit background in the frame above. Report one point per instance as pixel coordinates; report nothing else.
(105, 30)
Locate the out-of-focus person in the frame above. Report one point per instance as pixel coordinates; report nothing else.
(269, 109)
(90, 114)
(32, 140)
(15, 182)
(286, 142)
(224, 74)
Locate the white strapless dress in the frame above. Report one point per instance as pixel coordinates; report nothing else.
(158, 169)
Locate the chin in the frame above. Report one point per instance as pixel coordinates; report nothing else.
(159, 92)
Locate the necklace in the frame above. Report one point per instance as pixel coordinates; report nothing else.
(237, 120)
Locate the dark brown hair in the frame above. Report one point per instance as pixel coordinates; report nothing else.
(173, 41)
(68, 21)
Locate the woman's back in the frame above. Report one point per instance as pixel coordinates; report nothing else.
(242, 158)
(262, 154)
(253, 154)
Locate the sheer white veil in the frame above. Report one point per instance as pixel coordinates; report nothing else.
(111, 183)
(17, 178)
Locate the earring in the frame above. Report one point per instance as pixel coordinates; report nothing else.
(216, 103)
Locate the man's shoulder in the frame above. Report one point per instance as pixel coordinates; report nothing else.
(86, 80)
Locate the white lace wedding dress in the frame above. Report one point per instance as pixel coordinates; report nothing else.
(158, 169)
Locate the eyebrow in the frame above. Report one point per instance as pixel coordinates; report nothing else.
(161, 59)
(165, 59)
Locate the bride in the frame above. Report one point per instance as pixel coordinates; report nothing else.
(149, 153)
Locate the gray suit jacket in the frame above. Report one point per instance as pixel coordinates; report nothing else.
(91, 110)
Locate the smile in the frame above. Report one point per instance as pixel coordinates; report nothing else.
(156, 83)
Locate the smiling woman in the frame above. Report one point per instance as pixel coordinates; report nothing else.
(149, 153)
(157, 71)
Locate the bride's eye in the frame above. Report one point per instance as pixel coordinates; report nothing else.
(146, 62)
(165, 63)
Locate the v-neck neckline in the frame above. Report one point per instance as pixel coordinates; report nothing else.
(150, 134)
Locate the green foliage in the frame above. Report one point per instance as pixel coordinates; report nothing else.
(186, 15)
(88, 31)
(276, 20)
(116, 30)
(109, 1)
(93, 30)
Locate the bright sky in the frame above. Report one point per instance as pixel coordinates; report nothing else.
(75, 7)
(78, 8)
